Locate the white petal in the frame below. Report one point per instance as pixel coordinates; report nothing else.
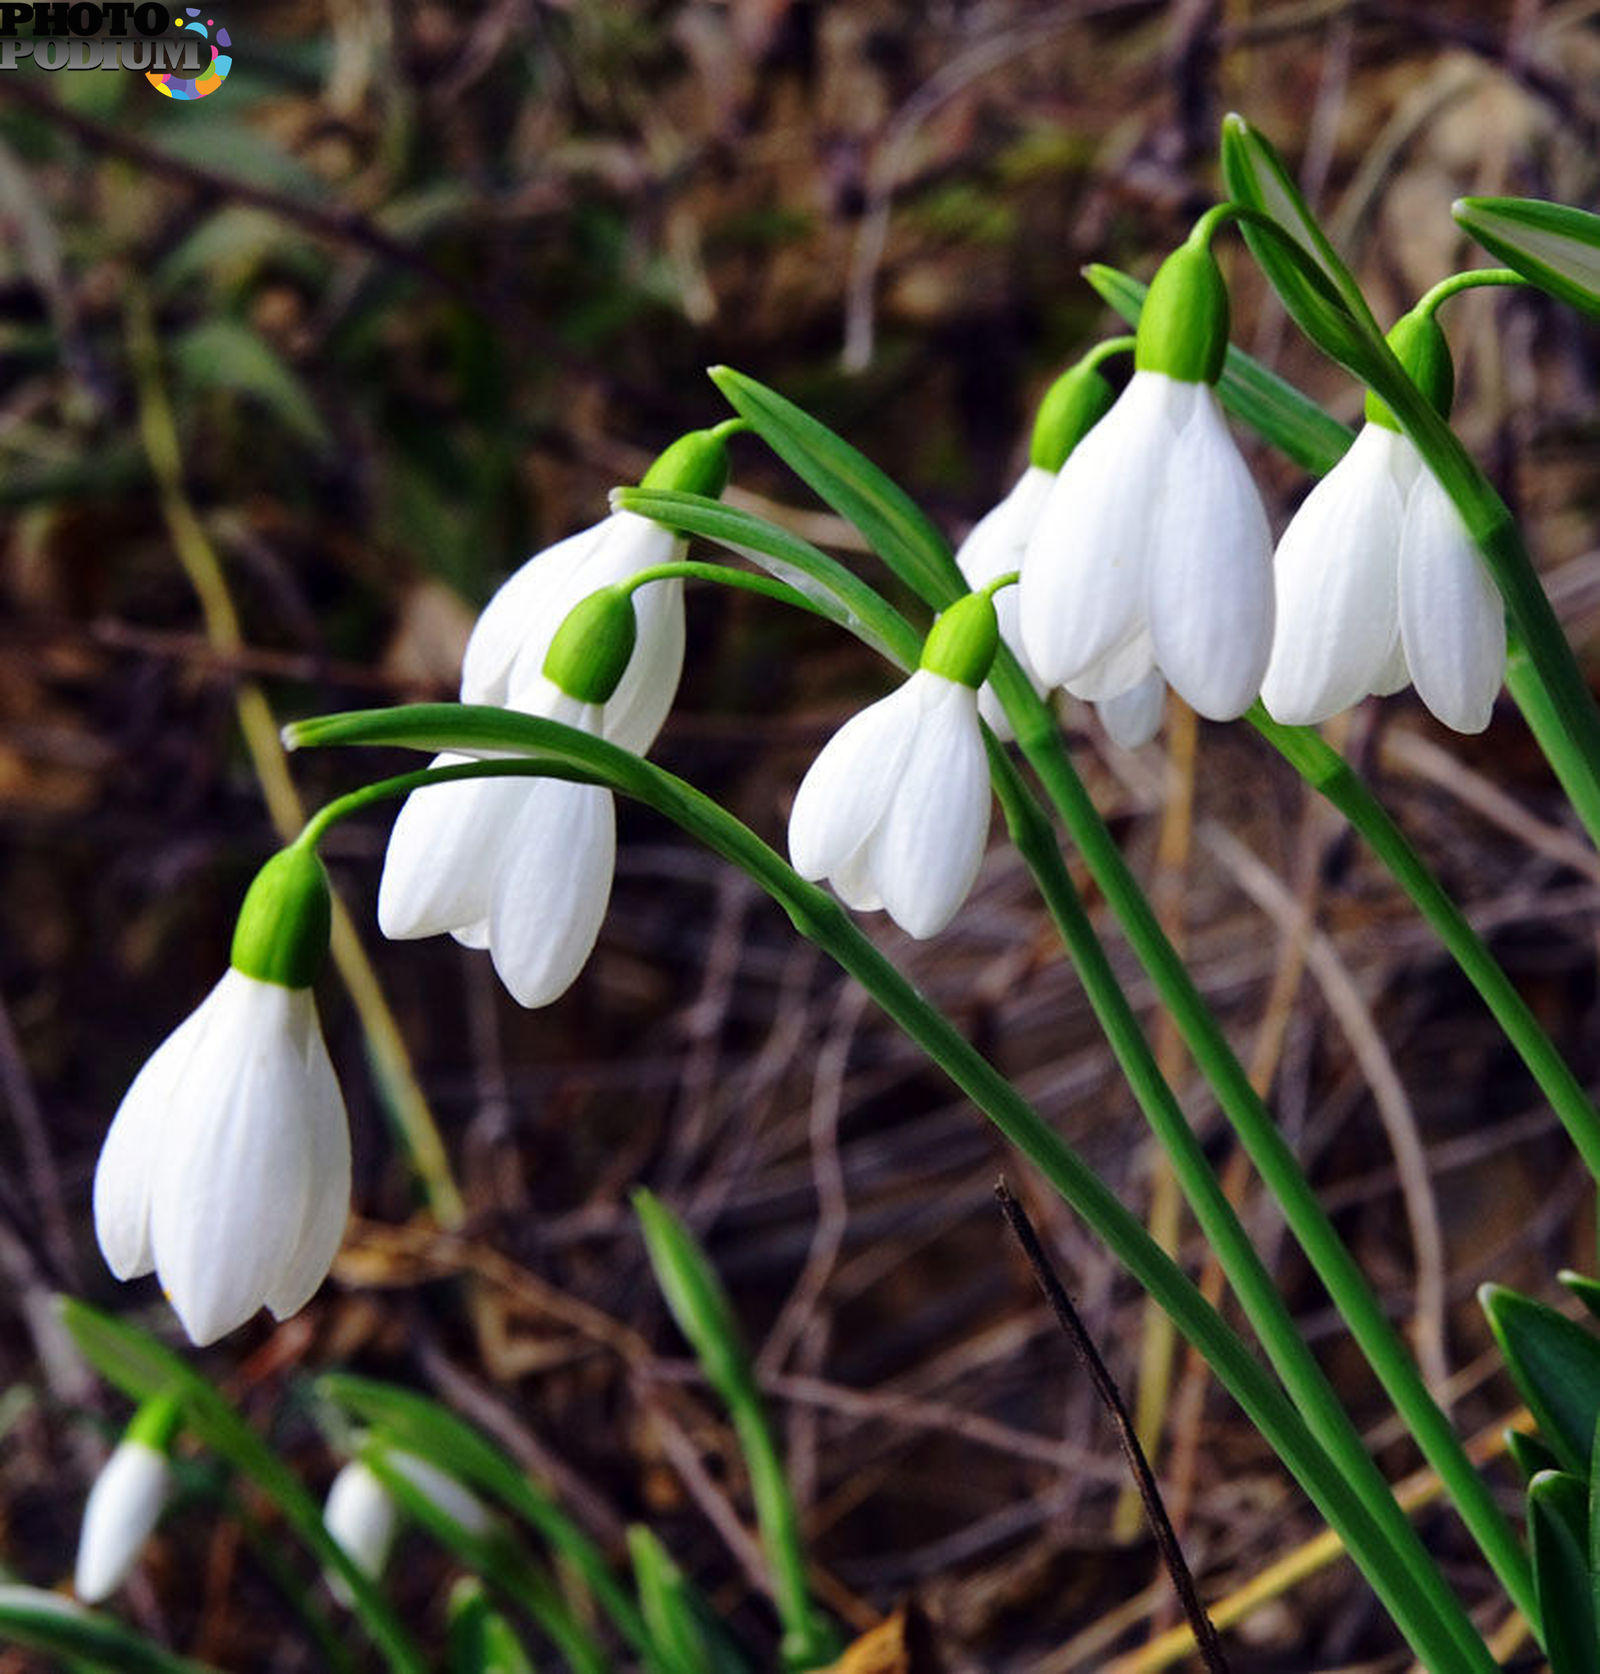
(854, 882)
(123, 1507)
(1452, 621)
(520, 610)
(130, 1156)
(329, 1208)
(1133, 717)
(926, 853)
(361, 1514)
(640, 703)
(552, 888)
(1336, 571)
(1209, 585)
(1083, 572)
(230, 1198)
(442, 852)
(475, 936)
(1123, 666)
(1394, 676)
(849, 785)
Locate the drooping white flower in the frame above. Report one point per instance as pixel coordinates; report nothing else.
(124, 1505)
(226, 1170)
(1152, 551)
(521, 867)
(1133, 717)
(895, 810)
(1379, 584)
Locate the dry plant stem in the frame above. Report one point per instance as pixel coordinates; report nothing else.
(391, 1062)
(1105, 1386)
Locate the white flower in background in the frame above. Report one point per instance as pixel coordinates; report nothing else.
(1379, 583)
(226, 1170)
(523, 867)
(122, 1510)
(1152, 550)
(1133, 718)
(895, 810)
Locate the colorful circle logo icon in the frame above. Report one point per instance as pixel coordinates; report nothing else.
(179, 87)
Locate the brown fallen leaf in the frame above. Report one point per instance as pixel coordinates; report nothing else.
(901, 1645)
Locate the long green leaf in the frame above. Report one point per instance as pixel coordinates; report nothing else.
(1552, 245)
(896, 528)
(1558, 1529)
(1555, 1365)
(47, 1622)
(1271, 406)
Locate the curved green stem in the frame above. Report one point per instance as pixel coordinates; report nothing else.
(1430, 1618)
(1474, 278)
(1096, 357)
(724, 575)
(1325, 769)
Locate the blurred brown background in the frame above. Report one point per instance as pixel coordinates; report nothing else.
(419, 283)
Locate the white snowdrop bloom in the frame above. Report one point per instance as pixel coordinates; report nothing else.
(1133, 718)
(521, 867)
(361, 1515)
(1153, 551)
(994, 548)
(895, 810)
(123, 1507)
(441, 1490)
(226, 1170)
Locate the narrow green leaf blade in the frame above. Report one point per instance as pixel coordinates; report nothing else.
(1551, 245)
(1558, 1525)
(1530, 1455)
(481, 1640)
(57, 1626)
(222, 354)
(1271, 406)
(668, 1605)
(1555, 1364)
(1586, 1290)
(833, 587)
(895, 527)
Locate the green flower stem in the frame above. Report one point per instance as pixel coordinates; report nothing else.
(692, 570)
(1532, 697)
(1108, 349)
(1040, 739)
(1247, 1275)
(1432, 1621)
(1324, 768)
(1473, 279)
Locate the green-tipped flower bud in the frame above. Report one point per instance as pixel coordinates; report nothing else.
(284, 924)
(697, 463)
(1071, 408)
(589, 654)
(156, 1423)
(1183, 328)
(961, 644)
(1420, 346)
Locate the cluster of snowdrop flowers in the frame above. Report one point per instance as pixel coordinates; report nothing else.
(226, 1170)
(1379, 583)
(523, 867)
(126, 1501)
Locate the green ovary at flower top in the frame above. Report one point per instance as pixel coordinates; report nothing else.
(524, 867)
(1379, 584)
(226, 1170)
(895, 810)
(1151, 554)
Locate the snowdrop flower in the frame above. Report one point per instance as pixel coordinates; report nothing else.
(523, 867)
(895, 810)
(1152, 550)
(126, 1502)
(226, 1170)
(362, 1514)
(1378, 580)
